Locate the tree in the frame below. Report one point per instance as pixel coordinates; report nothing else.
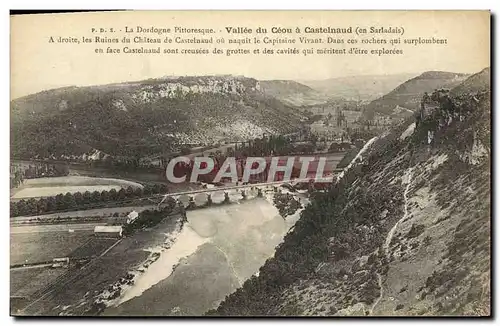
(163, 188)
(96, 197)
(78, 198)
(156, 189)
(138, 192)
(69, 200)
(113, 195)
(147, 190)
(21, 207)
(60, 204)
(87, 197)
(31, 206)
(14, 209)
(51, 204)
(105, 197)
(121, 194)
(129, 192)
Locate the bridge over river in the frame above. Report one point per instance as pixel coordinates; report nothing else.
(201, 197)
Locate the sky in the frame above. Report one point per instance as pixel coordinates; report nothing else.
(38, 65)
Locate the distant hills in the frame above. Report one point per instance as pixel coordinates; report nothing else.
(165, 114)
(146, 117)
(361, 87)
(476, 83)
(409, 93)
(292, 93)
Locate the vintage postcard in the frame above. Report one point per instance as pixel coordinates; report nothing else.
(250, 163)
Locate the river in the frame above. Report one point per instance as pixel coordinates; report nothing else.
(216, 251)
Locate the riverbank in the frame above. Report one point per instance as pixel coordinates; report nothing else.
(217, 250)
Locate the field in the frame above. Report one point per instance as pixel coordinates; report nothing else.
(45, 187)
(76, 291)
(25, 282)
(93, 248)
(31, 244)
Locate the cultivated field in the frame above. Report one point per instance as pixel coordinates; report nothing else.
(75, 292)
(25, 282)
(45, 187)
(93, 248)
(32, 244)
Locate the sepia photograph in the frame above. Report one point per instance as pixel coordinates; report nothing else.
(250, 163)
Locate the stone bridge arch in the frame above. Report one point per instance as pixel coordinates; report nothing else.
(217, 196)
